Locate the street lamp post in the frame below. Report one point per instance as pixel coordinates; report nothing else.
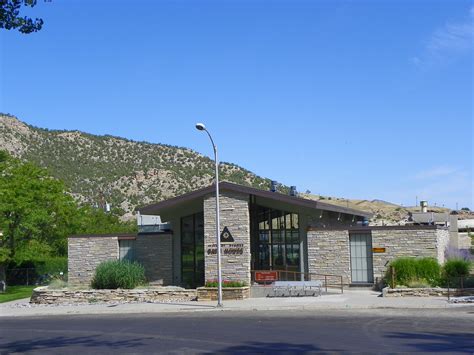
(201, 127)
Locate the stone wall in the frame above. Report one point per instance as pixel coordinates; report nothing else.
(464, 241)
(234, 214)
(86, 253)
(425, 292)
(155, 253)
(443, 237)
(417, 242)
(329, 253)
(329, 250)
(44, 295)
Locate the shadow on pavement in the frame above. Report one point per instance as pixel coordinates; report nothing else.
(268, 348)
(92, 341)
(437, 342)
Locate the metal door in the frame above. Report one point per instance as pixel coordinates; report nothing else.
(361, 258)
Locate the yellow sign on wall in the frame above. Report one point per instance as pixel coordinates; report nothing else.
(378, 250)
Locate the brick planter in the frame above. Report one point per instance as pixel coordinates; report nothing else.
(228, 293)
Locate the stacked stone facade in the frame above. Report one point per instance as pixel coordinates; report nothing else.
(44, 295)
(155, 253)
(329, 250)
(234, 214)
(86, 253)
(329, 253)
(418, 242)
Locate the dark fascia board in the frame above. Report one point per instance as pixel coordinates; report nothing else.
(227, 186)
(112, 235)
(371, 228)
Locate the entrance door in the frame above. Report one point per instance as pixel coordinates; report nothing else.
(361, 258)
(192, 250)
(276, 242)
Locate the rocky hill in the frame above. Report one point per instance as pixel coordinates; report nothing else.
(125, 173)
(384, 213)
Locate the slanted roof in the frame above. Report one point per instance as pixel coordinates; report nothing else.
(227, 186)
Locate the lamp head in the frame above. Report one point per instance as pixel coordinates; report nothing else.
(200, 126)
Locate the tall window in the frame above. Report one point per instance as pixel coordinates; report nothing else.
(278, 243)
(192, 250)
(127, 249)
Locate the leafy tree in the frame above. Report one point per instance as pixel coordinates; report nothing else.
(96, 221)
(33, 206)
(37, 214)
(10, 16)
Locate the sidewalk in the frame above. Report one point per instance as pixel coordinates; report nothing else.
(349, 300)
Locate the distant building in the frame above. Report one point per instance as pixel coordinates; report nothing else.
(465, 230)
(449, 220)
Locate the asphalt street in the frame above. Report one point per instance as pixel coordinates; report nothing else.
(368, 331)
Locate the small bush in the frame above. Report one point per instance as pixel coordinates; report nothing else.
(405, 270)
(114, 274)
(455, 253)
(412, 270)
(226, 284)
(429, 270)
(57, 284)
(456, 268)
(418, 283)
(52, 266)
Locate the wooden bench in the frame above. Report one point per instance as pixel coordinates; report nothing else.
(297, 288)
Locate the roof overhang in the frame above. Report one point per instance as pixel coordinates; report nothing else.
(227, 186)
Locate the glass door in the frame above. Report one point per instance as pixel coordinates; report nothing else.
(361, 258)
(276, 241)
(192, 250)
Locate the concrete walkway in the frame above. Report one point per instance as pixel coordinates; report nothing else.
(349, 300)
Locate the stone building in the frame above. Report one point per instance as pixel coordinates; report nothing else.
(260, 231)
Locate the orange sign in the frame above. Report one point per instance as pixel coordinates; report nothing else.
(266, 276)
(378, 250)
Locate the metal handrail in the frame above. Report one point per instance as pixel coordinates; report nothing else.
(305, 276)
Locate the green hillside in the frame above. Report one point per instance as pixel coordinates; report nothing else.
(123, 172)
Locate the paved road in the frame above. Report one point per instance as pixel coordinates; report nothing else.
(374, 331)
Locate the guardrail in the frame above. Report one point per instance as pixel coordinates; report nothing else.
(267, 277)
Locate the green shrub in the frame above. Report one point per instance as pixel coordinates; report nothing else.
(114, 274)
(405, 270)
(418, 283)
(51, 266)
(429, 270)
(226, 284)
(57, 284)
(412, 270)
(456, 268)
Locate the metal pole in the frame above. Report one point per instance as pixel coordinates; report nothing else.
(218, 237)
(218, 225)
(392, 272)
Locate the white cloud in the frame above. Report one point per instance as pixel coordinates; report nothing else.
(452, 39)
(456, 37)
(435, 172)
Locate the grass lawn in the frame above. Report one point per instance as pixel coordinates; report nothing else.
(16, 292)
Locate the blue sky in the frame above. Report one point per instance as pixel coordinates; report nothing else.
(357, 99)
